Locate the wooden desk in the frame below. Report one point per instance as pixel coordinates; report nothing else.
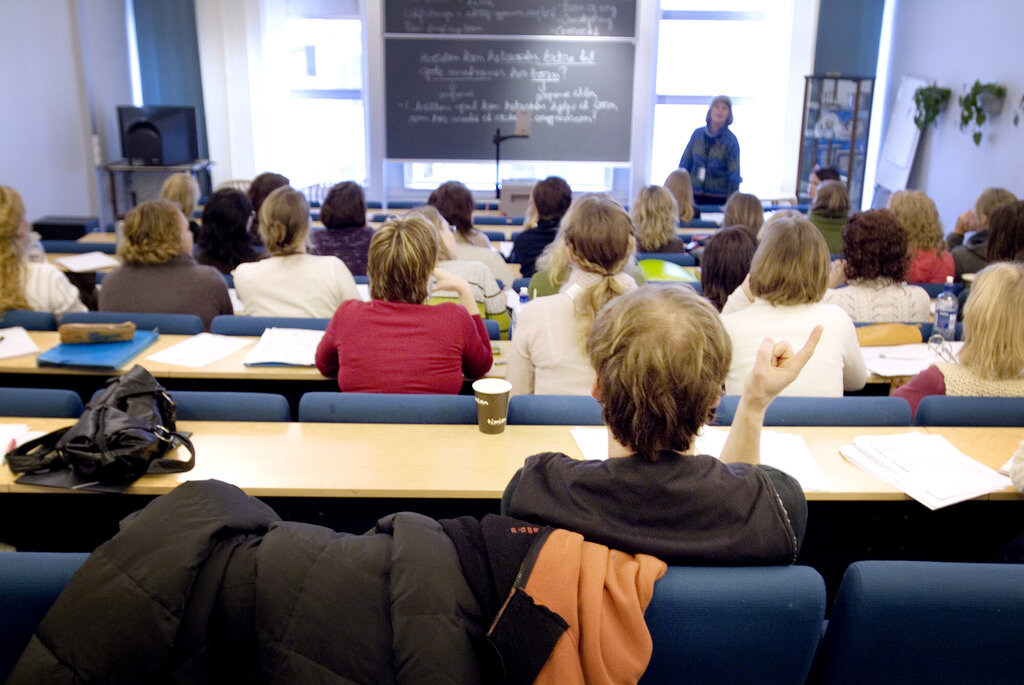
(100, 237)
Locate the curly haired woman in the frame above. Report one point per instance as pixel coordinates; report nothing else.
(930, 261)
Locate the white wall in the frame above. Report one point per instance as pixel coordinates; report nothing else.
(954, 43)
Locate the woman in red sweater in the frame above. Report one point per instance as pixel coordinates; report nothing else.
(396, 343)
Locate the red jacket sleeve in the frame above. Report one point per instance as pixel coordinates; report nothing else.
(327, 351)
(476, 350)
(928, 382)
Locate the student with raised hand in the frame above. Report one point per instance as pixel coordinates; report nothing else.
(782, 298)
(930, 261)
(548, 354)
(655, 213)
(970, 254)
(661, 354)
(549, 200)
(183, 190)
(291, 282)
(28, 285)
(396, 343)
(346, 235)
(158, 273)
(223, 241)
(991, 362)
(874, 265)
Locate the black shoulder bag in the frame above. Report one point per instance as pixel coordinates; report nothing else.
(124, 432)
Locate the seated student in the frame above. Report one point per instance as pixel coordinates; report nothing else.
(28, 285)
(991, 361)
(396, 343)
(548, 345)
(969, 256)
(875, 264)
(829, 211)
(725, 263)
(660, 355)
(1005, 239)
(655, 216)
(549, 199)
(455, 202)
(782, 298)
(490, 299)
(158, 273)
(744, 209)
(553, 268)
(291, 282)
(260, 188)
(680, 185)
(930, 261)
(223, 241)
(183, 190)
(346, 235)
(819, 176)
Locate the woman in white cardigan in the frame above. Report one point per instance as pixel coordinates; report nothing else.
(549, 341)
(781, 299)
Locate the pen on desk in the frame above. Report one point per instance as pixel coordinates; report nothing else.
(896, 356)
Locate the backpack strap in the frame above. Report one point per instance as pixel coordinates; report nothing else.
(39, 455)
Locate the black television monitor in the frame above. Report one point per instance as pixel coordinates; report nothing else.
(160, 135)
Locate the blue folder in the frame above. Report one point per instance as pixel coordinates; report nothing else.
(111, 355)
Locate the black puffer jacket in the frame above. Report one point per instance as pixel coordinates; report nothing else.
(207, 585)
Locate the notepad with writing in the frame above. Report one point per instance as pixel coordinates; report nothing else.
(97, 355)
(285, 347)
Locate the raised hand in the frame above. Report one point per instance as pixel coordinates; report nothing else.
(776, 365)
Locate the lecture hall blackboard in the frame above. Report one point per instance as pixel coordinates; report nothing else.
(456, 71)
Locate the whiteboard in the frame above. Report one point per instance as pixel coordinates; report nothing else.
(901, 137)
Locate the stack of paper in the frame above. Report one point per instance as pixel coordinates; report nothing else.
(200, 350)
(926, 467)
(901, 360)
(88, 262)
(15, 341)
(285, 346)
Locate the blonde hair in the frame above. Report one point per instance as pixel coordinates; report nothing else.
(994, 322)
(744, 209)
(152, 233)
(403, 254)
(284, 221)
(655, 215)
(990, 200)
(12, 265)
(182, 190)
(832, 198)
(917, 214)
(681, 186)
(599, 234)
(430, 213)
(791, 263)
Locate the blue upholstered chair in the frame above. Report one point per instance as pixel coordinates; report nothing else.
(493, 329)
(554, 410)
(362, 279)
(943, 410)
(680, 258)
(29, 320)
(735, 625)
(61, 404)
(76, 247)
(231, 406)
(352, 407)
(825, 411)
(925, 622)
(520, 283)
(228, 324)
(177, 324)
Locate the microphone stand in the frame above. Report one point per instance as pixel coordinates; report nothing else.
(498, 140)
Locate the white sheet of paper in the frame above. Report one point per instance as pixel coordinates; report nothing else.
(9, 432)
(505, 248)
(88, 261)
(364, 291)
(285, 346)
(901, 360)
(785, 451)
(236, 302)
(15, 342)
(592, 441)
(200, 350)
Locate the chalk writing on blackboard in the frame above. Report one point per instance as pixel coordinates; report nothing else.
(512, 17)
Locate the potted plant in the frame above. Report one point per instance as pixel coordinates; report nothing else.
(930, 100)
(977, 104)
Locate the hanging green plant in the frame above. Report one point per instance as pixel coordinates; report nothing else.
(977, 103)
(930, 100)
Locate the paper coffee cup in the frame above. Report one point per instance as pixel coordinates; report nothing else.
(491, 403)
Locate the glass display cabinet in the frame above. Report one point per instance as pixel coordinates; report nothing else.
(834, 131)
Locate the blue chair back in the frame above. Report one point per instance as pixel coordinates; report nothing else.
(228, 324)
(61, 404)
(76, 247)
(175, 324)
(495, 236)
(943, 410)
(351, 407)
(680, 258)
(196, 405)
(362, 280)
(554, 410)
(493, 329)
(824, 411)
(912, 622)
(735, 625)
(520, 283)
(29, 320)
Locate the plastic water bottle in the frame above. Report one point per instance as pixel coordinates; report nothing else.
(516, 306)
(946, 306)
(524, 296)
(34, 251)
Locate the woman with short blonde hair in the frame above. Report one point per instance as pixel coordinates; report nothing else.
(930, 261)
(655, 215)
(548, 345)
(183, 190)
(991, 362)
(679, 184)
(396, 343)
(291, 282)
(745, 210)
(159, 274)
(782, 299)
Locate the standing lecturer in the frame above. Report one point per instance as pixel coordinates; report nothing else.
(713, 156)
